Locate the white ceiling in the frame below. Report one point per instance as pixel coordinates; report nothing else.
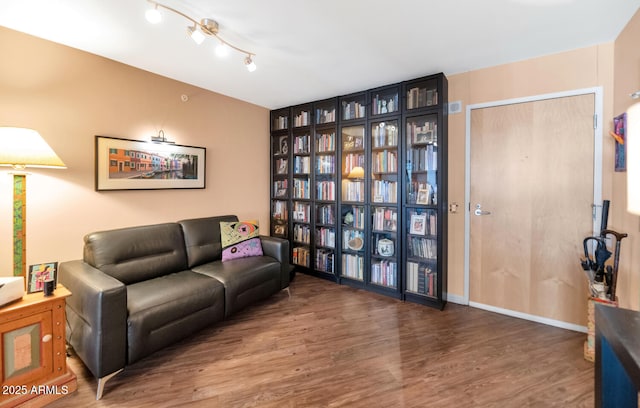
(308, 50)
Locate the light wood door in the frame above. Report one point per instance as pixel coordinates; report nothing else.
(532, 169)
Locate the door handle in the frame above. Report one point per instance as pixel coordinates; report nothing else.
(478, 211)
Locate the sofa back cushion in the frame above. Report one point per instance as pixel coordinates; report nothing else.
(136, 254)
(202, 238)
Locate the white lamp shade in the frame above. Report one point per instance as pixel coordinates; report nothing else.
(632, 133)
(20, 147)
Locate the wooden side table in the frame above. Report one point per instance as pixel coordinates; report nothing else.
(33, 364)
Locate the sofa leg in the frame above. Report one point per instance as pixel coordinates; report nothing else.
(102, 381)
(288, 291)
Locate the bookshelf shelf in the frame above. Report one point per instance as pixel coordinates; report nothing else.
(359, 188)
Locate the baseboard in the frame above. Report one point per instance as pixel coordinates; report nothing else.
(533, 318)
(456, 299)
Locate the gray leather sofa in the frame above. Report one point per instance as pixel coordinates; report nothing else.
(139, 289)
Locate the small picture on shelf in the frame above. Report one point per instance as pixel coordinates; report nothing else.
(424, 137)
(390, 225)
(418, 224)
(282, 192)
(353, 143)
(423, 196)
(282, 166)
(284, 145)
(40, 273)
(279, 229)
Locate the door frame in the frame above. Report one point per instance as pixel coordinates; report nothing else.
(597, 189)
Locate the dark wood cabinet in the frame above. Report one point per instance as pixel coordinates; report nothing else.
(361, 192)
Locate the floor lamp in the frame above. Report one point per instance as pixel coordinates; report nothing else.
(21, 148)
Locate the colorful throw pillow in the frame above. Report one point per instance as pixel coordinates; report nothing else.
(240, 239)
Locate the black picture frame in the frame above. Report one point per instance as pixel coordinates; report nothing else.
(125, 164)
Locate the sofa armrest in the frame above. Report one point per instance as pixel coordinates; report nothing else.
(96, 317)
(278, 248)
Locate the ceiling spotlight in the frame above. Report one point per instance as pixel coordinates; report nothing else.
(153, 15)
(195, 34)
(251, 66)
(222, 50)
(200, 30)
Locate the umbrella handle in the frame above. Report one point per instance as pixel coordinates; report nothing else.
(619, 236)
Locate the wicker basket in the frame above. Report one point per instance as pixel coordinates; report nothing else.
(590, 343)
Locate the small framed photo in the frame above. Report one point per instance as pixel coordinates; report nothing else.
(423, 196)
(418, 224)
(284, 145)
(39, 273)
(279, 229)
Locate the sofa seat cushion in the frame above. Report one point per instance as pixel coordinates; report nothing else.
(245, 280)
(169, 308)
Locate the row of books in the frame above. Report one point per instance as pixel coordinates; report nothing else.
(326, 237)
(385, 219)
(280, 210)
(301, 119)
(384, 135)
(384, 273)
(301, 165)
(301, 256)
(421, 279)
(425, 133)
(384, 191)
(384, 162)
(425, 158)
(353, 110)
(353, 190)
(301, 144)
(326, 190)
(301, 233)
(281, 122)
(422, 247)
(420, 97)
(324, 260)
(325, 116)
(325, 164)
(301, 211)
(326, 142)
(353, 266)
(326, 214)
(301, 188)
(280, 188)
(352, 160)
(384, 104)
(356, 214)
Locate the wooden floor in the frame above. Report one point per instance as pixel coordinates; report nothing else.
(334, 346)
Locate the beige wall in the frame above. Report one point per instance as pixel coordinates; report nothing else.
(577, 69)
(70, 96)
(627, 81)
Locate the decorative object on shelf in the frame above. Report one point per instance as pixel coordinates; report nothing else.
(199, 32)
(386, 247)
(153, 166)
(418, 224)
(355, 244)
(39, 274)
(633, 156)
(348, 218)
(356, 173)
(21, 148)
(423, 196)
